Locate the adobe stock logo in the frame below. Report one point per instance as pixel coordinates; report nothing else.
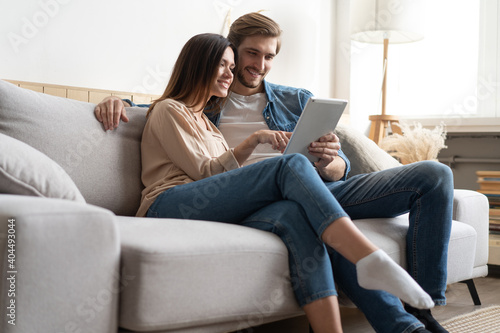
(31, 27)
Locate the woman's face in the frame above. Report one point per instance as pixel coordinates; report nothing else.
(224, 77)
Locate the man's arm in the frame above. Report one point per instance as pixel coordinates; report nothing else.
(109, 112)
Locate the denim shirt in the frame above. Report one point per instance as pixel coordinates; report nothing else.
(283, 109)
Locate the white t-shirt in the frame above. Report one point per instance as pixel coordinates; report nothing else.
(242, 116)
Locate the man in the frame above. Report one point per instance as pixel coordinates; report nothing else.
(425, 190)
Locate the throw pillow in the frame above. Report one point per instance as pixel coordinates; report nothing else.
(364, 154)
(26, 171)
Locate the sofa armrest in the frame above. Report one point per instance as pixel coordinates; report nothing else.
(472, 208)
(65, 266)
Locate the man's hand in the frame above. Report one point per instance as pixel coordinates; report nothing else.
(327, 149)
(109, 112)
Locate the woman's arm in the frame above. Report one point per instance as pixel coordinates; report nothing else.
(170, 130)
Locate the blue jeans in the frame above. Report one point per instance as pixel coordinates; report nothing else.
(425, 190)
(285, 196)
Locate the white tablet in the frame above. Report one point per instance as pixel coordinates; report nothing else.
(320, 116)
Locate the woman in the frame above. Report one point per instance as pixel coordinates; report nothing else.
(189, 172)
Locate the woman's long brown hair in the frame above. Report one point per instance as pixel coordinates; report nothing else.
(194, 71)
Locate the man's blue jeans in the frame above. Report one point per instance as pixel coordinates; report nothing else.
(285, 195)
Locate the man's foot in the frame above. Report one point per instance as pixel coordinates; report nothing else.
(426, 318)
(378, 271)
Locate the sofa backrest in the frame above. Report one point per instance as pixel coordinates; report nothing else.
(105, 166)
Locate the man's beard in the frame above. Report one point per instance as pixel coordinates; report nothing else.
(244, 82)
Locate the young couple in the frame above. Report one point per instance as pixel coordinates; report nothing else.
(309, 207)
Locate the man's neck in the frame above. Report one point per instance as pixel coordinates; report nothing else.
(240, 89)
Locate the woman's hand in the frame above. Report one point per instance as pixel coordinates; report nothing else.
(278, 140)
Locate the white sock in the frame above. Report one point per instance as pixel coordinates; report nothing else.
(379, 272)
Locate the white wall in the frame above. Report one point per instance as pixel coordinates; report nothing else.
(131, 45)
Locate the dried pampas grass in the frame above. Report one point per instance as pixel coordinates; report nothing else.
(416, 144)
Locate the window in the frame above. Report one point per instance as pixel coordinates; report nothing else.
(488, 89)
(451, 75)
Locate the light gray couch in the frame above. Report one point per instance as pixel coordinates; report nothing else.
(82, 263)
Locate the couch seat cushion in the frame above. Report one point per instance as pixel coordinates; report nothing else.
(179, 274)
(176, 270)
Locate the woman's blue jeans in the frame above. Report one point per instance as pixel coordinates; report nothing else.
(284, 195)
(425, 190)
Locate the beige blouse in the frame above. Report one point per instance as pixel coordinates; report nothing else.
(176, 150)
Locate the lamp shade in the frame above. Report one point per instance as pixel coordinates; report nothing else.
(399, 20)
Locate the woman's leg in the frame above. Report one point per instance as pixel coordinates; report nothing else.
(383, 311)
(234, 195)
(310, 265)
(375, 269)
(324, 315)
(425, 190)
(311, 276)
(310, 268)
(231, 196)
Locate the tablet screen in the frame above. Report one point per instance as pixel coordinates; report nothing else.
(320, 116)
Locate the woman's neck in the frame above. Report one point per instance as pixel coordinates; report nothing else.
(196, 109)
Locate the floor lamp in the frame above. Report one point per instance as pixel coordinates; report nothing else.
(378, 22)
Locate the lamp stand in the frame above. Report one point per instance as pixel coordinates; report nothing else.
(380, 123)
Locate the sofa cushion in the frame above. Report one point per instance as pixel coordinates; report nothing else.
(185, 273)
(218, 264)
(105, 166)
(26, 171)
(364, 154)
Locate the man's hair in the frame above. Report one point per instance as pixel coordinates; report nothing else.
(195, 70)
(254, 24)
